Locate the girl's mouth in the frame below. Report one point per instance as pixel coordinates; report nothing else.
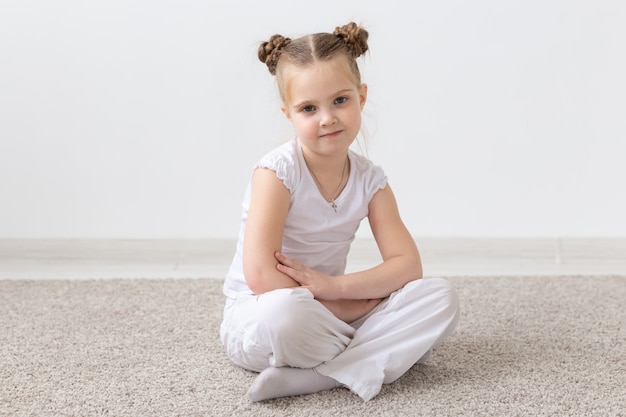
(331, 134)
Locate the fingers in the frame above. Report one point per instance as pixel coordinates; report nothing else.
(292, 263)
(284, 260)
(287, 270)
(280, 257)
(294, 269)
(287, 266)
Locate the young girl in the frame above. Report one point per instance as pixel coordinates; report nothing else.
(291, 312)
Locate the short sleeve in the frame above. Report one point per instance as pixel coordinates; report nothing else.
(379, 178)
(283, 162)
(373, 176)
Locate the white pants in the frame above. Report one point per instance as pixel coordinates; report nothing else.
(288, 327)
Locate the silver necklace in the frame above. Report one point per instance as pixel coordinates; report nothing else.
(336, 193)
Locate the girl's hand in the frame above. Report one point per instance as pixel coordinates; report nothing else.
(322, 286)
(350, 310)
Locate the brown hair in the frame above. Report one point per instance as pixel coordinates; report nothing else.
(349, 40)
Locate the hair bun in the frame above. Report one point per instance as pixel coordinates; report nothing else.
(355, 38)
(269, 51)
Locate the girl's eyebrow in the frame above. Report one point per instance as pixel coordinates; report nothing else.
(308, 102)
(344, 91)
(302, 104)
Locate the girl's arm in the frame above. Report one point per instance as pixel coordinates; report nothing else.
(401, 259)
(350, 310)
(269, 204)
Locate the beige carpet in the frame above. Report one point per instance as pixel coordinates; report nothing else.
(525, 346)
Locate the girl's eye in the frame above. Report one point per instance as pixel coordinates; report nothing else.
(341, 100)
(308, 109)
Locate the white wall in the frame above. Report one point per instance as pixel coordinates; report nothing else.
(138, 119)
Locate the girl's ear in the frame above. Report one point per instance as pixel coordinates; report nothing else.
(363, 95)
(285, 111)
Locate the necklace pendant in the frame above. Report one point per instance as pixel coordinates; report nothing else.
(333, 205)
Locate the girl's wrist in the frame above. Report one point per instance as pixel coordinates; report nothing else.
(341, 290)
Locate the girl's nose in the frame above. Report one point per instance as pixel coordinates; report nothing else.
(328, 118)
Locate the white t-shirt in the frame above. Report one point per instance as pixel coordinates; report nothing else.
(314, 233)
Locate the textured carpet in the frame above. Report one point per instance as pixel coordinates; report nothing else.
(525, 346)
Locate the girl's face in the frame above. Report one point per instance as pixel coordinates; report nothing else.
(324, 103)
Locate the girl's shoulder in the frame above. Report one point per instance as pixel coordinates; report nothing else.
(365, 166)
(284, 161)
(361, 162)
(371, 176)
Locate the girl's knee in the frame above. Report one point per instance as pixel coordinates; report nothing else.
(445, 287)
(440, 290)
(284, 310)
(301, 331)
(449, 302)
(447, 292)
